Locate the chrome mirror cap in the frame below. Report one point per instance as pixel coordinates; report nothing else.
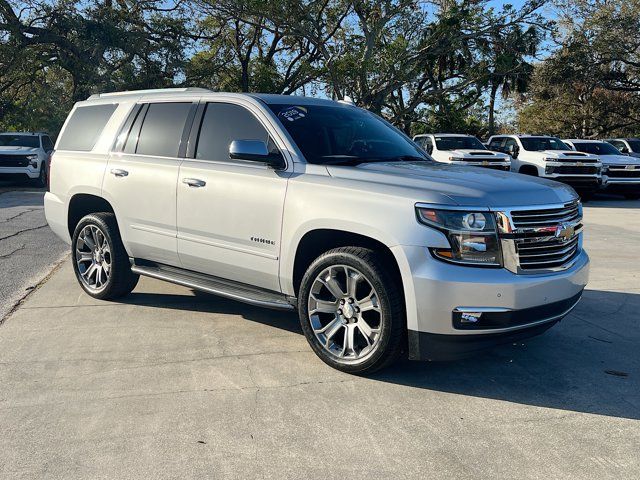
(255, 150)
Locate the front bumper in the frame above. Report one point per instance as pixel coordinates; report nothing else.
(521, 304)
(621, 184)
(17, 172)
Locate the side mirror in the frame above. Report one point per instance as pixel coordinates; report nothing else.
(624, 149)
(255, 151)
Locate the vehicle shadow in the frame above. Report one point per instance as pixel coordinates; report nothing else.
(207, 303)
(588, 363)
(605, 200)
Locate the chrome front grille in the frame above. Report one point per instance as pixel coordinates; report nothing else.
(545, 253)
(541, 238)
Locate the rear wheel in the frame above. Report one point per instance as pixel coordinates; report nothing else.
(351, 310)
(100, 261)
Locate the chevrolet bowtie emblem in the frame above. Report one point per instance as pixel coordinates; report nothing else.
(565, 232)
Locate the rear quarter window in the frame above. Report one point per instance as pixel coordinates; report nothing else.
(85, 126)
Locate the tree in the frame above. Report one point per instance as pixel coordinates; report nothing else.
(590, 86)
(508, 69)
(94, 47)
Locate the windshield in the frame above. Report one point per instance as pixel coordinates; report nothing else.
(537, 144)
(599, 148)
(635, 145)
(19, 141)
(331, 135)
(459, 143)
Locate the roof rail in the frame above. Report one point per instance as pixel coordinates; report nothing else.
(151, 90)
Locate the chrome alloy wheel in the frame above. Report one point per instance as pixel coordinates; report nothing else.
(93, 258)
(345, 313)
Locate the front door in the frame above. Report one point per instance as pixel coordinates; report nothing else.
(230, 211)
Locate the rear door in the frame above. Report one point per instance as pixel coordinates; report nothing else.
(230, 211)
(140, 181)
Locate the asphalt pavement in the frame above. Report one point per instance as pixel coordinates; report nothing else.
(169, 383)
(28, 247)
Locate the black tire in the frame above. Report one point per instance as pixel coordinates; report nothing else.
(392, 321)
(121, 280)
(41, 181)
(632, 196)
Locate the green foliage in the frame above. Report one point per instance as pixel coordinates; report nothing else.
(590, 86)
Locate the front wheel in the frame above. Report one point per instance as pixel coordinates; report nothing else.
(351, 310)
(41, 181)
(100, 261)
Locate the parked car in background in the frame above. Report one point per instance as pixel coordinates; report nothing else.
(620, 173)
(25, 156)
(548, 157)
(461, 150)
(296, 203)
(627, 146)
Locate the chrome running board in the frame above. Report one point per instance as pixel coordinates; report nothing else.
(217, 286)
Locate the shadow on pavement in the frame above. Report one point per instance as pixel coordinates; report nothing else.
(203, 302)
(604, 200)
(588, 363)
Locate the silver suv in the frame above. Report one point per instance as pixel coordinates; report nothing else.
(317, 206)
(25, 156)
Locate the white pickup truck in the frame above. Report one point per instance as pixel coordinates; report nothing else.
(620, 173)
(549, 157)
(462, 150)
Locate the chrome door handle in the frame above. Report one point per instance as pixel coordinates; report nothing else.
(119, 172)
(194, 182)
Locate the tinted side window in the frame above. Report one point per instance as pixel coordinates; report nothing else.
(162, 129)
(224, 122)
(85, 126)
(496, 143)
(47, 144)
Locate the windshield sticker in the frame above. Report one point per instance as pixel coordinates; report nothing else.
(291, 114)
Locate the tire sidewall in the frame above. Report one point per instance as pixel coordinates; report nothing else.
(104, 228)
(342, 258)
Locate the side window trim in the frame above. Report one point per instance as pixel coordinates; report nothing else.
(194, 131)
(125, 130)
(135, 130)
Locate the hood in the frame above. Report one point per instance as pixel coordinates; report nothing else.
(471, 153)
(18, 150)
(459, 185)
(567, 155)
(619, 160)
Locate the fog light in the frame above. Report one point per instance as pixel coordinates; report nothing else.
(470, 317)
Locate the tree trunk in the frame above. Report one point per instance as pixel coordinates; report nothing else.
(492, 108)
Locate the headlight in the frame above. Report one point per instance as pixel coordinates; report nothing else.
(33, 160)
(472, 235)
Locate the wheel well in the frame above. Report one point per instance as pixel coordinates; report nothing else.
(316, 242)
(83, 204)
(528, 170)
